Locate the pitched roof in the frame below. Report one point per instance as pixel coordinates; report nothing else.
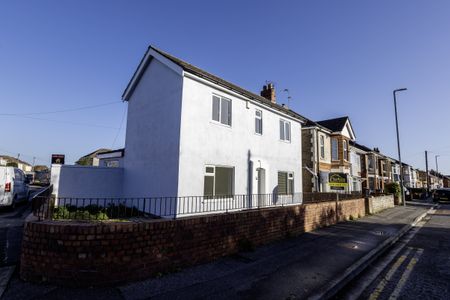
(334, 124)
(361, 147)
(208, 76)
(311, 123)
(13, 159)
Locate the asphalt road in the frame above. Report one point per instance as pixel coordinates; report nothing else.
(421, 270)
(11, 227)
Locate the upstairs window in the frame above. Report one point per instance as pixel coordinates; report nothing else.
(221, 110)
(345, 146)
(258, 122)
(285, 183)
(285, 131)
(334, 149)
(322, 146)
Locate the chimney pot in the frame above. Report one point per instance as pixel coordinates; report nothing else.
(268, 92)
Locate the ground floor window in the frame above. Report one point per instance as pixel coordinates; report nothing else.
(356, 185)
(218, 181)
(285, 183)
(371, 183)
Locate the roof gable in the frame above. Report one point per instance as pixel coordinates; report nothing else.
(164, 57)
(341, 125)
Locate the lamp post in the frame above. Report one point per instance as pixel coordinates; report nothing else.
(402, 190)
(437, 168)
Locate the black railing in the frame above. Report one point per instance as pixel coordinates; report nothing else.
(169, 207)
(41, 203)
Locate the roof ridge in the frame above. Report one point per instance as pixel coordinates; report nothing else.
(218, 80)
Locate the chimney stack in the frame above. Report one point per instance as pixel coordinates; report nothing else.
(268, 92)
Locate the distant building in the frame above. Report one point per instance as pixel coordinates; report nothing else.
(91, 158)
(446, 181)
(111, 159)
(9, 160)
(326, 155)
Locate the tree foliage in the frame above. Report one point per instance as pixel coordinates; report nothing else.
(393, 188)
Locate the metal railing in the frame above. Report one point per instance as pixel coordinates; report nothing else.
(41, 202)
(170, 207)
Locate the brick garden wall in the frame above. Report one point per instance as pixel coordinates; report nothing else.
(379, 203)
(108, 253)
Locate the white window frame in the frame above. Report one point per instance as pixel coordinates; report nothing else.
(344, 150)
(322, 146)
(213, 174)
(290, 187)
(230, 114)
(284, 124)
(337, 149)
(260, 119)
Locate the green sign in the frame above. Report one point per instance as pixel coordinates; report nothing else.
(338, 180)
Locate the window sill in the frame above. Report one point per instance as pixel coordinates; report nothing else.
(285, 141)
(220, 124)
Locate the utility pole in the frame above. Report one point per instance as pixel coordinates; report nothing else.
(428, 176)
(34, 160)
(402, 188)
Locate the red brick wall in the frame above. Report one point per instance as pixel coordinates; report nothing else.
(107, 253)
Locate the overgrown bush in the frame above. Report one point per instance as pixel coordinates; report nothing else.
(393, 188)
(95, 212)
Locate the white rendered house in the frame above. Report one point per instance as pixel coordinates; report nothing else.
(190, 133)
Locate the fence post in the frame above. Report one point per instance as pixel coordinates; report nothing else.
(337, 207)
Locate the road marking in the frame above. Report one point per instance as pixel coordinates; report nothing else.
(380, 288)
(396, 293)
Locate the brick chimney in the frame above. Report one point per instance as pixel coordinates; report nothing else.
(268, 92)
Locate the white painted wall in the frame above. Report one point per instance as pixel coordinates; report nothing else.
(86, 181)
(204, 142)
(153, 134)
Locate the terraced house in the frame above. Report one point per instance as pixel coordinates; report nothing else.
(326, 156)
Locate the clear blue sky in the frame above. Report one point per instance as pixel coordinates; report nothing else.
(336, 57)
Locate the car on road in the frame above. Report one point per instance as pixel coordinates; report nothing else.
(441, 195)
(13, 186)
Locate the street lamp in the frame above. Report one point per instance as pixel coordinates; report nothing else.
(398, 145)
(437, 166)
(437, 169)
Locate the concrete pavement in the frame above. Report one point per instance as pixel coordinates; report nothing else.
(295, 268)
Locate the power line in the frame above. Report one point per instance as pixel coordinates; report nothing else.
(62, 110)
(67, 122)
(120, 127)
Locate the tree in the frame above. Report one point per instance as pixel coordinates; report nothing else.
(393, 188)
(40, 168)
(12, 164)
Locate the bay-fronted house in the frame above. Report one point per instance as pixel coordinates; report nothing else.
(358, 172)
(316, 157)
(327, 145)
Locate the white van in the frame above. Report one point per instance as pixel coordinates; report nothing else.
(13, 186)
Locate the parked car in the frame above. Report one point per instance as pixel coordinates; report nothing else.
(13, 186)
(41, 178)
(441, 195)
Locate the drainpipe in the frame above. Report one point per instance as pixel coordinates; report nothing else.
(319, 187)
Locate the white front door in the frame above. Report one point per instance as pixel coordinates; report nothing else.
(261, 187)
